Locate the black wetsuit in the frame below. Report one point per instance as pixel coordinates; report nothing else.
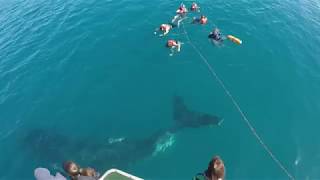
(215, 36)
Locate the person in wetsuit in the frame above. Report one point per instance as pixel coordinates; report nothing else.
(216, 35)
(201, 20)
(195, 7)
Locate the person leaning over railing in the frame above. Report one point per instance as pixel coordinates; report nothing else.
(215, 170)
(76, 173)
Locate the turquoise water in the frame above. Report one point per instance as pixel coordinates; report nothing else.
(93, 69)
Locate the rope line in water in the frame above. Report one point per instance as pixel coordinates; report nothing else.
(235, 103)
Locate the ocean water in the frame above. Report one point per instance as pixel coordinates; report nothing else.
(93, 70)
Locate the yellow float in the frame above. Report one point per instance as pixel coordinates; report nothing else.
(234, 39)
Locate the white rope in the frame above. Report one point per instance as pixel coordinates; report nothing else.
(235, 103)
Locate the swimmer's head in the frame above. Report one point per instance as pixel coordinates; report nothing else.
(182, 7)
(162, 27)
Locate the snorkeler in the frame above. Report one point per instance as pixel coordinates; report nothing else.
(217, 38)
(202, 20)
(174, 45)
(181, 15)
(164, 28)
(216, 35)
(195, 7)
(182, 9)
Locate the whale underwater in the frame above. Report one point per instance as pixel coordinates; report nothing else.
(52, 148)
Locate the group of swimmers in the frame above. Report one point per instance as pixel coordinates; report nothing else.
(181, 15)
(72, 170)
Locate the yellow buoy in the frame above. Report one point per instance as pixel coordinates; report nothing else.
(234, 39)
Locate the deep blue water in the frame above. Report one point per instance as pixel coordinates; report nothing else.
(93, 69)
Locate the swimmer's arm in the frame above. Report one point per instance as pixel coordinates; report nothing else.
(156, 31)
(164, 33)
(223, 37)
(171, 52)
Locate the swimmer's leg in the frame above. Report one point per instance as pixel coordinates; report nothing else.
(171, 52)
(175, 18)
(173, 25)
(188, 20)
(180, 20)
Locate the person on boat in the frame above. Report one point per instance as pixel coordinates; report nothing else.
(195, 7)
(44, 174)
(77, 173)
(216, 35)
(202, 20)
(72, 169)
(215, 170)
(88, 174)
(174, 45)
(165, 28)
